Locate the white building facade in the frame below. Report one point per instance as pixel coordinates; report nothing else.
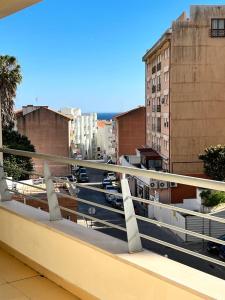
(83, 133)
(105, 140)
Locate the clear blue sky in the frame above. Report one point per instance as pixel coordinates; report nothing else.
(86, 53)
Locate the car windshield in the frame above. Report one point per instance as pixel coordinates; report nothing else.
(83, 175)
(222, 237)
(111, 187)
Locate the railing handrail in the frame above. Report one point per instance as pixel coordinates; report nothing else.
(182, 179)
(161, 242)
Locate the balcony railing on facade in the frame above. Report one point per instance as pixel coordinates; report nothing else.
(159, 108)
(159, 66)
(217, 33)
(158, 128)
(131, 229)
(153, 69)
(154, 108)
(158, 87)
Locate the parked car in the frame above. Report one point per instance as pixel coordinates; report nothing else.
(222, 252)
(214, 247)
(83, 177)
(111, 189)
(118, 203)
(82, 170)
(65, 178)
(71, 178)
(106, 182)
(111, 176)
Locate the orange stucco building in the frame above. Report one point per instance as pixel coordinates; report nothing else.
(130, 131)
(48, 131)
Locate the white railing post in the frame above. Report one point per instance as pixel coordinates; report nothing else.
(133, 237)
(53, 204)
(4, 193)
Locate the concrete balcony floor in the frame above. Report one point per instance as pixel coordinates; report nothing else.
(18, 281)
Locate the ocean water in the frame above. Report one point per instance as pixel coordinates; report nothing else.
(106, 116)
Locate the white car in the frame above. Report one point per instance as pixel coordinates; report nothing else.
(111, 176)
(111, 189)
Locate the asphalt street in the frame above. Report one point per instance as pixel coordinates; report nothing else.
(145, 228)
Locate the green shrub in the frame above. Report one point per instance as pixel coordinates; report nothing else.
(212, 198)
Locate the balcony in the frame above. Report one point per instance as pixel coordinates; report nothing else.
(153, 69)
(159, 87)
(154, 108)
(159, 108)
(159, 66)
(81, 259)
(153, 89)
(216, 33)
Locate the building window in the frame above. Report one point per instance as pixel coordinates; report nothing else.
(218, 28)
(166, 122)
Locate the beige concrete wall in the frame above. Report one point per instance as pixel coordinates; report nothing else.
(8, 7)
(89, 271)
(197, 88)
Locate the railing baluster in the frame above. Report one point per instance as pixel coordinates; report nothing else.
(133, 237)
(53, 204)
(4, 193)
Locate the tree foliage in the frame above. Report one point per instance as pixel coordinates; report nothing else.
(13, 164)
(214, 162)
(10, 78)
(212, 198)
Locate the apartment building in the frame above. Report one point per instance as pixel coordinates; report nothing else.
(105, 140)
(185, 92)
(130, 131)
(48, 131)
(83, 132)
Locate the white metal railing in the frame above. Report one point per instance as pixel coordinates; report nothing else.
(131, 218)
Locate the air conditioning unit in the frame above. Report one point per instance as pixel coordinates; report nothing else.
(163, 185)
(154, 184)
(173, 184)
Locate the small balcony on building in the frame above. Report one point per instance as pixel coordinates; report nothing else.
(154, 108)
(158, 108)
(153, 89)
(216, 33)
(150, 159)
(159, 87)
(159, 66)
(153, 69)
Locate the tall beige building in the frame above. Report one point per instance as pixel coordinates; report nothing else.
(185, 92)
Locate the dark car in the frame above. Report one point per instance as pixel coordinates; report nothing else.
(71, 178)
(214, 247)
(82, 171)
(106, 182)
(222, 252)
(83, 177)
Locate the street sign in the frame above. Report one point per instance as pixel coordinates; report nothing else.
(91, 210)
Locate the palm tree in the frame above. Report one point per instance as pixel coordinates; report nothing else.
(10, 78)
